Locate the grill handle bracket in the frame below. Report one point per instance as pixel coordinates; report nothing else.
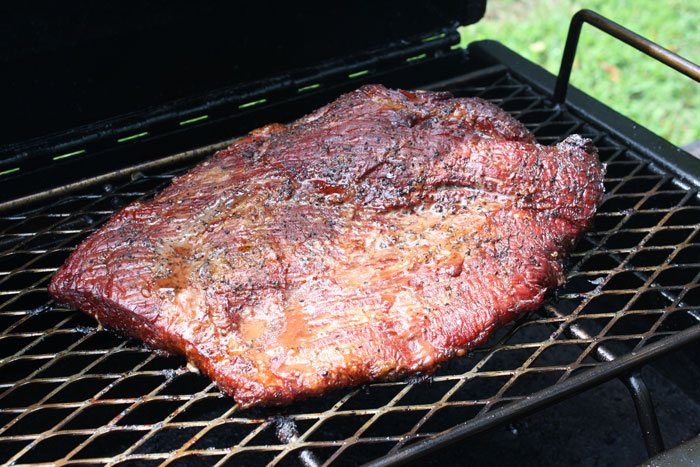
(646, 414)
(640, 43)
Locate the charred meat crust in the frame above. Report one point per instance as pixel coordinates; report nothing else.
(376, 237)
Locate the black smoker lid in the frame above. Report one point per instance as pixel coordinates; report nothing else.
(70, 63)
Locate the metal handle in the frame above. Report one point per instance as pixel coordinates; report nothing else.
(650, 48)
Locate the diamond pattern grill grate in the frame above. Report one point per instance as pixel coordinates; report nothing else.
(71, 392)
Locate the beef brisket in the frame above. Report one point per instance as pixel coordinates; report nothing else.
(376, 237)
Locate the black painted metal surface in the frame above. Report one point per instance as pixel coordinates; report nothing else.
(67, 64)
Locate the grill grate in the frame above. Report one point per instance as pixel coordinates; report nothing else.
(72, 392)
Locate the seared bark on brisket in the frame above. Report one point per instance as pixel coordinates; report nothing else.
(376, 237)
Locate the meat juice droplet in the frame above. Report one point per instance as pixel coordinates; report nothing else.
(145, 292)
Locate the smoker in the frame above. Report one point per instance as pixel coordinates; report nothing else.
(105, 104)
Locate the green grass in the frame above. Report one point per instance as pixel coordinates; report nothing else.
(635, 85)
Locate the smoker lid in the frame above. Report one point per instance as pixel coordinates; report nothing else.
(71, 63)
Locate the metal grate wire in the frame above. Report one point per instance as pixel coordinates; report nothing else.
(73, 393)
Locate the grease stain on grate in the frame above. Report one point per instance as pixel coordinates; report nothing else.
(94, 416)
(225, 435)
(109, 444)
(53, 448)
